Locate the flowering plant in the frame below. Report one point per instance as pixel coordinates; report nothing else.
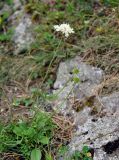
(64, 29)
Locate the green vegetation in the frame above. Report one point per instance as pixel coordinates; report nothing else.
(5, 32)
(30, 76)
(85, 154)
(25, 137)
(33, 139)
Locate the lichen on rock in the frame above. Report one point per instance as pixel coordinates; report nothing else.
(94, 130)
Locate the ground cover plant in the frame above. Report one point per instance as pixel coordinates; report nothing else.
(27, 79)
(28, 137)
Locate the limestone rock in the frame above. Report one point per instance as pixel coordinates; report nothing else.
(99, 131)
(23, 36)
(23, 27)
(88, 75)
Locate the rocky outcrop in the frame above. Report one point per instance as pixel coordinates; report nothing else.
(20, 22)
(96, 117)
(23, 36)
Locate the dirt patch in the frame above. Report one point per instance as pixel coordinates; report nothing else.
(8, 112)
(11, 156)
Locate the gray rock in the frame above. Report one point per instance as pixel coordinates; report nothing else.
(110, 104)
(88, 75)
(94, 130)
(23, 36)
(17, 4)
(23, 26)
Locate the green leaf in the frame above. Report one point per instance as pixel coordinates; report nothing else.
(30, 132)
(48, 156)
(20, 129)
(76, 79)
(62, 150)
(28, 102)
(36, 154)
(77, 155)
(75, 71)
(16, 102)
(44, 140)
(85, 149)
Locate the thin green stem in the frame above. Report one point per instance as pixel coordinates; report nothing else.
(55, 52)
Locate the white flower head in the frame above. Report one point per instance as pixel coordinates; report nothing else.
(64, 28)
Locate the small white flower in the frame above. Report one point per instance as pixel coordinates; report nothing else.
(64, 28)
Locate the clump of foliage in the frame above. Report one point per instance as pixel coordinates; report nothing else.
(31, 139)
(85, 154)
(5, 31)
(22, 101)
